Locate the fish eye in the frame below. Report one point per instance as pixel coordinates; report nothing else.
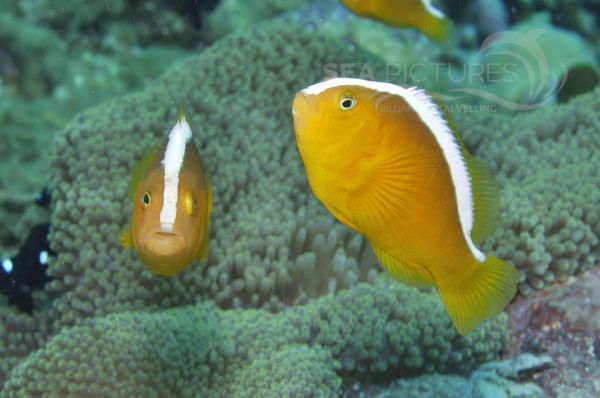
(146, 200)
(347, 102)
(191, 205)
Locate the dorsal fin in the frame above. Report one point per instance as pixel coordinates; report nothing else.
(141, 168)
(486, 195)
(181, 113)
(486, 199)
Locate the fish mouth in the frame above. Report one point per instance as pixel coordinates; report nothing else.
(164, 244)
(165, 234)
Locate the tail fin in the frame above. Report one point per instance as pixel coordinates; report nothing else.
(483, 295)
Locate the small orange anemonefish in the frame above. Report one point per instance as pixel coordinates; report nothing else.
(418, 14)
(384, 161)
(171, 205)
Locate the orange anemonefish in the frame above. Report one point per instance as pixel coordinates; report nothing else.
(171, 205)
(418, 14)
(383, 161)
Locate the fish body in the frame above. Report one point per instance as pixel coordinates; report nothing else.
(418, 14)
(383, 161)
(171, 205)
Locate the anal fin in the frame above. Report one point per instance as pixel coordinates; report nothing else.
(411, 274)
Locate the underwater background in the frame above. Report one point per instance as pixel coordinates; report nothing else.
(290, 303)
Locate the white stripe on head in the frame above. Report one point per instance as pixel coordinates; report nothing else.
(429, 114)
(179, 136)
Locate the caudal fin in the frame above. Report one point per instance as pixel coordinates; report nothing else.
(482, 296)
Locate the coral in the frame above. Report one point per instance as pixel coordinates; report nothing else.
(202, 350)
(564, 323)
(498, 379)
(21, 334)
(547, 168)
(290, 371)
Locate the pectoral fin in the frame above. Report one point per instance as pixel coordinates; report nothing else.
(204, 246)
(125, 239)
(389, 188)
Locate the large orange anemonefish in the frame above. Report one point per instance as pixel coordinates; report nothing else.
(418, 14)
(384, 161)
(171, 205)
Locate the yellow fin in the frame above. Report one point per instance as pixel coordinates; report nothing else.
(141, 168)
(435, 28)
(481, 296)
(486, 199)
(125, 239)
(181, 113)
(410, 274)
(204, 248)
(486, 195)
(208, 197)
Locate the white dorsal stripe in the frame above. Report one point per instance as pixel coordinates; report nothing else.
(429, 114)
(432, 10)
(179, 136)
